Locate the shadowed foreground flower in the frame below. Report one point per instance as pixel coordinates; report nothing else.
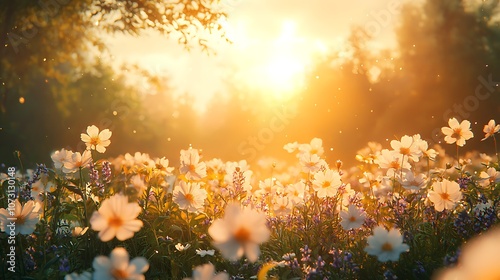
(26, 217)
(96, 140)
(478, 259)
(490, 177)
(116, 217)
(445, 195)
(77, 161)
(386, 245)
(457, 132)
(239, 233)
(207, 272)
(117, 266)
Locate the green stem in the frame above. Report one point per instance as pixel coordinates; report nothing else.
(496, 150)
(21, 255)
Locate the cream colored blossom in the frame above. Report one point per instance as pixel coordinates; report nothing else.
(118, 267)
(490, 129)
(457, 132)
(96, 140)
(23, 217)
(116, 217)
(190, 196)
(445, 195)
(386, 245)
(239, 233)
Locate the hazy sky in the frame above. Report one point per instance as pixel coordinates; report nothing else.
(274, 40)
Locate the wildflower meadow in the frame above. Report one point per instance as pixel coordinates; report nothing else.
(407, 210)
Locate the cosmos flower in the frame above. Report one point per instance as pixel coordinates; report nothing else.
(490, 177)
(386, 245)
(407, 148)
(116, 217)
(191, 166)
(118, 267)
(86, 275)
(181, 247)
(326, 183)
(26, 217)
(161, 165)
(445, 195)
(393, 161)
(96, 140)
(239, 233)
(60, 157)
(490, 129)
(313, 148)
(282, 206)
(353, 218)
(138, 184)
(412, 182)
(310, 162)
(207, 272)
(77, 161)
(457, 132)
(190, 196)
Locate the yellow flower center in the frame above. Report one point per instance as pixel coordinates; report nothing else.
(119, 274)
(404, 151)
(445, 196)
(242, 235)
(189, 197)
(352, 219)
(115, 222)
(457, 133)
(386, 247)
(326, 184)
(94, 141)
(20, 220)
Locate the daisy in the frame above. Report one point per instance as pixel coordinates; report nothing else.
(386, 245)
(490, 177)
(207, 272)
(116, 217)
(161, 165)
(190, 196)
(269, 186)
(118, 267)
(191, 166)
(393, 161)
(310, 163)
(457, 132)
(60, 157)
(239, 233)
(24, 217)
(295, 192)
(353, 218)
(407, 148)
(423, 146)
(313, 148)
(282, 206)
(326, 183)
(490, 129)
(445, 195)
(96, 140)
(77, 161)
(412, 182)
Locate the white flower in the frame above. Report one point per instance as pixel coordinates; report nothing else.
(190, 196)
(181, 247)
(117, 266)
(25, 217)
(207, 272)
(445, 195)
(77, 161)
(490, 177)
(96, 140)
(353, 218)
(412, 182)
(457, 132)
(326, 183)
(116, 217)
(239, 233)
(386, 245)
(60, 157)
(191, 166)
(490, 129)
(406, 147)
(203, 253)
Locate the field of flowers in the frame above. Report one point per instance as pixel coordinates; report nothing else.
(408, 211)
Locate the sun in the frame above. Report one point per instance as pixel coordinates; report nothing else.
(283, 74)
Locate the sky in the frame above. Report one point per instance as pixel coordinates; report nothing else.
(274, 43)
